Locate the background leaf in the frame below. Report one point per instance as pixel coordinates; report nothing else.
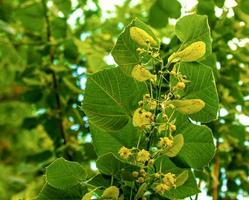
(161, 10)
(63, 174)
(194, 28)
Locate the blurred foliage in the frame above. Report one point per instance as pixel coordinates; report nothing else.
(47, 47)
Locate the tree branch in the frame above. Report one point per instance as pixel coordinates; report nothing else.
(215, 174)
(55, 81)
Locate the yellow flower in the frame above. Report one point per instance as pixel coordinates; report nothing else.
(166, 142)
(124, 152)
(111, 192)
(140, 180)
(157, 175)
(151, 162)
(142, 118)
(172, 127)
(161, 187)
(170, 179)
(152, 104)
(135, 174)
(143, 156)
(180, 85)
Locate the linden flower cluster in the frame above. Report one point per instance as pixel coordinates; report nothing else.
(141, 156)
(124, 153)
(143, 116)
(181, 84)
(166, 142)
(148, 103)
(140, 176)
(168, 182)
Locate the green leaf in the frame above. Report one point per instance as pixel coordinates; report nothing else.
(219, 3)
(31, 17)
(188, 188)
(161, 10)
(141, 190)
(106, 141)
(108, 164)
(59, 27)
(111, 165)
(244, 6)
(12, 113)
(100, 181)
(51, 193)
(110, 98)
(64, 6)
(202, 86)
(178, 142)
(63, 174)
(124, 51)
(198, 149)
(194, 28)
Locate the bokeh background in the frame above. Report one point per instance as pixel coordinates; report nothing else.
(47, 49)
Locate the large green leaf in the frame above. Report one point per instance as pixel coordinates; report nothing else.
(106, 141)
(51, 193)
(188, 188)
(198, 149)
(111, 97)
(31, 17)
(109, 164)
(63, 174)
(124, 51)
(161, 10)
(202, 86)
(194, 28)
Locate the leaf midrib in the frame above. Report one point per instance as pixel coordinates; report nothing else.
(113, 99)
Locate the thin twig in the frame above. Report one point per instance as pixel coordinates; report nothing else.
(55, 82)
(216, 171)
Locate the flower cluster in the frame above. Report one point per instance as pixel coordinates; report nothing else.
(124, 152)
(166, 142)
(141, 156)
(167, 182)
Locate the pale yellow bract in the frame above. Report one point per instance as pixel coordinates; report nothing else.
(191, 53)
(111, 192)
(141, 37)
(187, 106)
(140, 73)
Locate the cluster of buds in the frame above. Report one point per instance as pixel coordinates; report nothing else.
(142, 116)
(181, 84)
(171, 127)
(148, 103)
(140, 175)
